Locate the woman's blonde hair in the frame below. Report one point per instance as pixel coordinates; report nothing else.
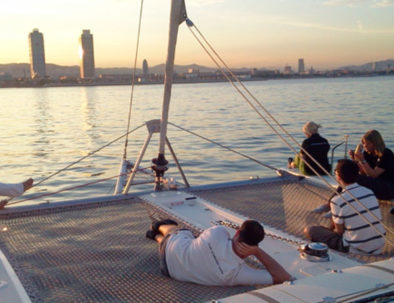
(376, 139)
(311, 128)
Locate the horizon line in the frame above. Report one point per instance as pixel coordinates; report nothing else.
(116, 67)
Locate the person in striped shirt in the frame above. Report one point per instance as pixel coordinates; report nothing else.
(356, 217)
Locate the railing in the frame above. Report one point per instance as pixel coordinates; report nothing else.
(345, 140)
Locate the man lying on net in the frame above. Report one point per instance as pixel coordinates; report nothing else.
(214, 257)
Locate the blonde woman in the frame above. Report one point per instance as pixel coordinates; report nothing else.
(376, 164)
(317, 147)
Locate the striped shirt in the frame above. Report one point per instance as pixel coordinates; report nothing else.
(358, 234)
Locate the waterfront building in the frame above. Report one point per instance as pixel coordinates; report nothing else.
(301, 66)
(37, 54)
(287, 70)
(86, 53)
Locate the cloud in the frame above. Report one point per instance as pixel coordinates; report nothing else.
(384, 3)
(355, 3)
(350, 3)
(359, 28)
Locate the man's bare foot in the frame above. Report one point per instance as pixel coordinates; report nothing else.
(27, 184)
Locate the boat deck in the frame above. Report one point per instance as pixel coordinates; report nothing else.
(99, 253)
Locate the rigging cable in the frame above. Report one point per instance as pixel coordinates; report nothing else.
(88, 155)
(273, 168)
(75, 187)
(225, 147)
(190, 24)
(133, 80)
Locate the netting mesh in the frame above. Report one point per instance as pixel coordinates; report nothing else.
(287, 206)
(95, 255)
(100, 253)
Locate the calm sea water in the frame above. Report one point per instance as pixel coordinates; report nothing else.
(42, 130)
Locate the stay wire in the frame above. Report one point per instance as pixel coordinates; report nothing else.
(72, 187)
(225, 147)
(190, 25)
(133, 80)
(88, 155)
(238, 90)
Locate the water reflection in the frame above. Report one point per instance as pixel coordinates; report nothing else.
(88, 108)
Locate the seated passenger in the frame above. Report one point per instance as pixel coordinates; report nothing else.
(351, 229)
(376, 164)
(317, 147)
(214, 258)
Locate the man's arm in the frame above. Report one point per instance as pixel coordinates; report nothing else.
(278, 273)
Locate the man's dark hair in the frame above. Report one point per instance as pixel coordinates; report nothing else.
(347, 170)
(251, 232)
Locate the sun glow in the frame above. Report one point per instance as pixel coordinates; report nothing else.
(80, 52)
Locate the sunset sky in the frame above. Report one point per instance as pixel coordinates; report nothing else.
(247, 33)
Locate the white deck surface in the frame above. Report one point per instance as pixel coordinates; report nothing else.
(356, 283)
(11, 289)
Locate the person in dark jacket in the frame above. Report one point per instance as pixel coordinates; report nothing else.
(314, 146)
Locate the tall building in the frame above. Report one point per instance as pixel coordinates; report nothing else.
(301, 66)
(37, 54)
(145, 69)
(86, 53)
(373, 67)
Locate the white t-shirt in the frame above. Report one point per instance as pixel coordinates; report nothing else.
(357, 232)
(210, 260)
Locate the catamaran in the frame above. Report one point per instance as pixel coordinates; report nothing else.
(95, 250)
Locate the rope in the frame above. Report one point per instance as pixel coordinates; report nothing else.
(64, 189)
(88, 155)
(235, 226)
(71, 188)
(225, 147)
(190, 25)
(133, 81)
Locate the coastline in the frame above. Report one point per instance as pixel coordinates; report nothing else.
(41, 83)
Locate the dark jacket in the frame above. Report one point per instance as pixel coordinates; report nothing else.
(318, 148)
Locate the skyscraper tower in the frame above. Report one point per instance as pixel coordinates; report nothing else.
(86, 53)
(145, 69)
(37, 54)
(301, 66)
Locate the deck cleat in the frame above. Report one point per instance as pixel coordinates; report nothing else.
(314, 252)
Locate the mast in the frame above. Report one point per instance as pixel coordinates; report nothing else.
(178, 15)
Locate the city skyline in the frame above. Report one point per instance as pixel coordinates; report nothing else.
(250, 33)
